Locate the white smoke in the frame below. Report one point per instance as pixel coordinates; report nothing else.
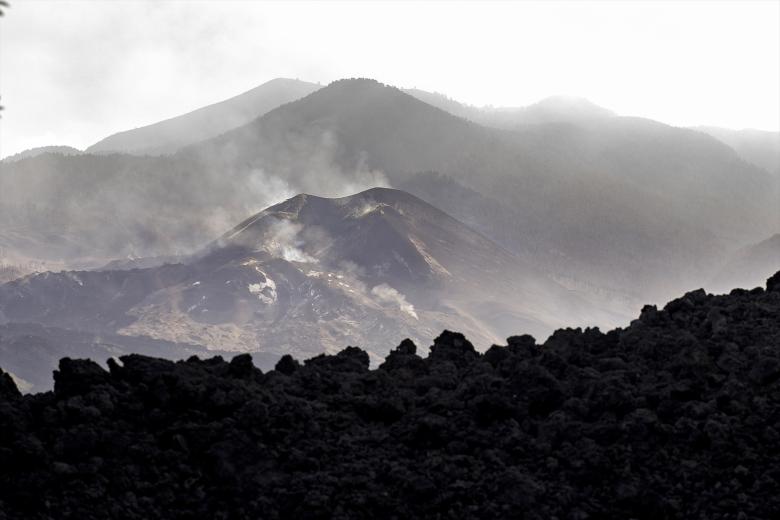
(315, 168)
(284, 241)
(266, 190)
(385, 293)
(171, 205)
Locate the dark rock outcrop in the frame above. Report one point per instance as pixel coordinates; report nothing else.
(8, 388)
(675, 416)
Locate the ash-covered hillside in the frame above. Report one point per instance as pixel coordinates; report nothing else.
(622, 205)
(675, 416)
(306, 276)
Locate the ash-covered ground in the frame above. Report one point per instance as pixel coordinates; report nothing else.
(675, 416)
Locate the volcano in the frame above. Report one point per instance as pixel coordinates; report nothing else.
(310, 274)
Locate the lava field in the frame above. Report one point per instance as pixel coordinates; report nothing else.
(674, 416)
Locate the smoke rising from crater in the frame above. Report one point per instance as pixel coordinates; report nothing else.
(169, 205)
(387, 294)
(285, 242)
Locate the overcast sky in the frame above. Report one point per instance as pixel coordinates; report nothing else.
(72, 72)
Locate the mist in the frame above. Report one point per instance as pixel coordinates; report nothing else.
(171, 205)
(49, 60)
(252, 251)
(583, 214)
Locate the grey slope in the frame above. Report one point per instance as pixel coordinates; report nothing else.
(553, 109)
(620, 202)
(309, 274)
(749, 266)
(34, 152)
(758, 147)
(165, 137)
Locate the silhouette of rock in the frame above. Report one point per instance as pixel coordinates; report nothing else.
(7, 386)
(773, 284)
(674, 416)
(77, 376)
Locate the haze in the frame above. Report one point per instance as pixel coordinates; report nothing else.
(72, 72)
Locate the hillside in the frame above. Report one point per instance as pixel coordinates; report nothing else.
(309, 274)
(166, 137)
(674, 416)
(624, 204)
(33, 152)
(602, 202)
(755, 146)
(553, 109)
(749, 265)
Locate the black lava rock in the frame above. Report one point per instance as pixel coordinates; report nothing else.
(8, 388)
(675, 416)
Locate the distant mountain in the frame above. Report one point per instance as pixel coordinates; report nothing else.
(625, 201)
(755, 146)
(557, 109)
(554, 109)
(623, 204)
(750, 265)
(33, 152)
(168, 136)
(309, 274)
(446, 103)
(758, 147)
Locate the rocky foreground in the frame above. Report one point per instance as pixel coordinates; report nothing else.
(676, 416)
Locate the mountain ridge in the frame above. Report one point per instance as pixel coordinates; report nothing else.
(309, 273)
(758, 147)
(167, 136)
(549, 110)
(749, 265)
(623, 204)
(33, 152)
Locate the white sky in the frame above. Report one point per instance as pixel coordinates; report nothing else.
(72, 72)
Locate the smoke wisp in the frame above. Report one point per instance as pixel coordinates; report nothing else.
(385, 293)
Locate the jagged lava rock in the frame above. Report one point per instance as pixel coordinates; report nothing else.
(675, 416)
